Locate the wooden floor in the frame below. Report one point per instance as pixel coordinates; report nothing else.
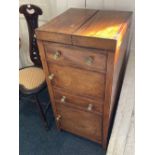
(122, 138)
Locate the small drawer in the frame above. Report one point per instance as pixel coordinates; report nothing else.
(79, 122)
(79, 102)
(90, 59)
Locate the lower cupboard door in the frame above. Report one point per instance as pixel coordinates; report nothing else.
(84, 124)
(78, 81)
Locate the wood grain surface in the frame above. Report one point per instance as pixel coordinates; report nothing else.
(81, 123)
(75, 56)
(84, 51)
(77, 81)
(78, 101)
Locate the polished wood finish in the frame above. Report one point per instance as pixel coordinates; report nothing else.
(60, 28)
(76, 57)
(78, 101)
(102, 21)
(77, 81)
(79, 122)
(94, 32)
(83, 53)
(62, 25)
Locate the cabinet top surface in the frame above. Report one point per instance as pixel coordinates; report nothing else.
(88, 23)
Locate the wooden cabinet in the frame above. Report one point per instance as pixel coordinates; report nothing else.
(83, 54)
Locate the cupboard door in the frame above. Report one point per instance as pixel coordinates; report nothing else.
(79, 122)
(77, 81)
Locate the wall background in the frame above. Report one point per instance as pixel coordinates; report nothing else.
(51, 8)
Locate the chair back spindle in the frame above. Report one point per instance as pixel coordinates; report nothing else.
(31, 13)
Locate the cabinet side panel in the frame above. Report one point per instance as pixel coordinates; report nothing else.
(120, 59)
(108, 90)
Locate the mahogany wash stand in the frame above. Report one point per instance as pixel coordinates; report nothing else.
(83, 53)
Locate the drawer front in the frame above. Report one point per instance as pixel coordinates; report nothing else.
(82, 123)
(77, 81)
(78, 102)
(69, 55)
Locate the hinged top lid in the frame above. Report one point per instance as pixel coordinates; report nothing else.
(88, 28)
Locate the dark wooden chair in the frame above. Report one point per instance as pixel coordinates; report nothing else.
(32, 78)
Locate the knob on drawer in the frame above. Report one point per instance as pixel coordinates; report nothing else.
(58, 118)
(51, 76)
(90, 107)
(57, 55)
(63, 99)
(89, 60)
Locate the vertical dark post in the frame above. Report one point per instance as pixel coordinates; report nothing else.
(31, 13)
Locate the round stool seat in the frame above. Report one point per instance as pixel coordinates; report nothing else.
(31, 78)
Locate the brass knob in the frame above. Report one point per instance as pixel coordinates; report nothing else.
(58, 118)
(57, 55)
(63, 99)
(89, 108)
(51, 76)
(89, 60)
